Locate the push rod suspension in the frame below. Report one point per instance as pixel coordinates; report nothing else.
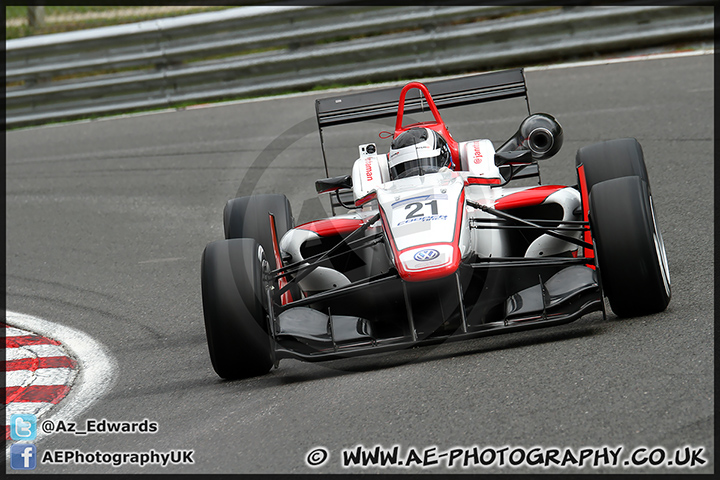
(513, 218)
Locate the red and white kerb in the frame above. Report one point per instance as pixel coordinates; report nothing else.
(38, 373)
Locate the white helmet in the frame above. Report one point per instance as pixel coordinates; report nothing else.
(417, 151)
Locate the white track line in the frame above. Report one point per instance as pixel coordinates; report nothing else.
(632, 58)
(96, 368)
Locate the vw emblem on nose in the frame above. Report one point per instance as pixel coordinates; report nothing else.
(426, 255)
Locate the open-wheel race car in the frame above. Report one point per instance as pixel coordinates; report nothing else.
(429, 242)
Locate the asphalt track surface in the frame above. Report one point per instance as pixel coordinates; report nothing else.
(107, 220)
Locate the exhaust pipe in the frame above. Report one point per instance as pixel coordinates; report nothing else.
(540, 133)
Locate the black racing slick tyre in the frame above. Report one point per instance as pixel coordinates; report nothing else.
(248, 217)
(234, 308)
(629, 247)
(622, 157)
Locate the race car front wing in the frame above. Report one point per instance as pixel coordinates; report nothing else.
(383, 313)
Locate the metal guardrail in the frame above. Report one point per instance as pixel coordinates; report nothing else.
(261, 50)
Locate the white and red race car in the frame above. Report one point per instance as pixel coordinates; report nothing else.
(433, 244)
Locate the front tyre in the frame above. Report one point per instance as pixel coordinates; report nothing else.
(249, 217)
(629, 247)
(234, 308)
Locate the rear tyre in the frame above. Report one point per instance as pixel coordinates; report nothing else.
(248, 217)
(622, 157)
(629, 247)
(234, 308)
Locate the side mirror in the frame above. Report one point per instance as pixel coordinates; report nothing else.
(333, 184)
(515, 156)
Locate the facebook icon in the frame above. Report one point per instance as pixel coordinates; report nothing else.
(23, 456)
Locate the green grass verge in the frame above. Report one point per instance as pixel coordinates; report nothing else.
(84, 19)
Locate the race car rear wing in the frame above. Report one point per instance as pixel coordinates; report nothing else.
(484, 87)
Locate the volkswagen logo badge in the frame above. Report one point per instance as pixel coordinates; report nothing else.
(426, 255)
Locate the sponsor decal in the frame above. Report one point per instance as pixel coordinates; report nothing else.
(426, 255)
(368, 170)
(426, 218)
(419, 198)
(477, 153)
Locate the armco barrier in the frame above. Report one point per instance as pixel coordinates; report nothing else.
(260, 50)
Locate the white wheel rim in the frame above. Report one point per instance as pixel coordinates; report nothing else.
(660, 251)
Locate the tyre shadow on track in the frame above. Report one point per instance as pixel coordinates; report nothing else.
(293, 372)
(296, 372)
(431, 353)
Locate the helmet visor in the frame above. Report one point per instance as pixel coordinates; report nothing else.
(419, 166)
(409, 162)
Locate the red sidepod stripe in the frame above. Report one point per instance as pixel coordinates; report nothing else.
(332, 226)
(584, 194)
(367, 198)
(434, 272)
(482, 181)
(527, 198)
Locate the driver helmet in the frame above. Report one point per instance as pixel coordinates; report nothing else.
(417, 151)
